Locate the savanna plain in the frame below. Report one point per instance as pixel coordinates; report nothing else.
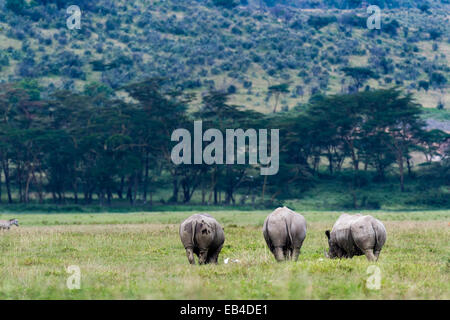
(140, 256)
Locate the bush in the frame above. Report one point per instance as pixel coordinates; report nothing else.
(232, 89)
(360, 178)
(431, 198)
(353, 20)
(425, 85)
(438, 79)
(4, 60)
(370, 204)
(16, 6)
(229, 4)
(319, 22)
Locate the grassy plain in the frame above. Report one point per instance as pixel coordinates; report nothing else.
(139, 256)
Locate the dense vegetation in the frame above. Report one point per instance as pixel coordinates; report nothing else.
(202, 45)
(91, 144)
(82, 123)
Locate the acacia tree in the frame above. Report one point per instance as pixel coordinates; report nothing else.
(22, 129)
(395, 117)
(359, 75)
(296, 151)
(215, 112)
(340, 119)
(159, 114)
(431, 143)
(277, 91)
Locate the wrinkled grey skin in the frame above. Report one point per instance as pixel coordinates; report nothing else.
(356, 235)
(284, 231)
(203, 235)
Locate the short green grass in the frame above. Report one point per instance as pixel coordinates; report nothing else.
(140, 256)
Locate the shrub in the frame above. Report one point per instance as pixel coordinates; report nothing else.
(438, 79)
(319, 22)
(16, 6)
(431, 198)
(229, 4)
(425, 85)
(232, 89)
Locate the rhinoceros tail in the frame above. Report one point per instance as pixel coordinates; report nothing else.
(193, 228)
(288, 230)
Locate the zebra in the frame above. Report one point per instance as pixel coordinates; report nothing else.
(6, 224)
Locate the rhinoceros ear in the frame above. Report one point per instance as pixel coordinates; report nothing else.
(327, 233)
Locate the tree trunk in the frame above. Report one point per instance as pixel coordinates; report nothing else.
(108, 196)
(400, 167)
(263, 189)
(129, 193)
(0, 188)
(120, 190)
(408, 163)
(145, 178)
(7, 179)
(75, 191)
(330, 163)
(175, 188)
(27, 187)
(135, 187)
(215, 195)
(203, 193)
(276, 103)
(213, 186)
(39, 187)
(101, 197)
(186, 191)
(86, 196)
(19, 182)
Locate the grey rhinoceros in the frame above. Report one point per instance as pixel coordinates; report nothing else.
(284, 231)
(355, 235)
(203, 235)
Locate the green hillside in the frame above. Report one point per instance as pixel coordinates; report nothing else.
(198, 45)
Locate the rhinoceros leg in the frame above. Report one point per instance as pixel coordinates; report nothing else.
(295, 254)
(278, 253)
(369, 255)
(214, 257)
(287, 253)
(203, 256)
(190, 255)
(377, 254)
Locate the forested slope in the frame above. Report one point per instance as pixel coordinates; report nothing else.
(243, 48)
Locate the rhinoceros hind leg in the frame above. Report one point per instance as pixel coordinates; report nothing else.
(214, 257)
(203, 256)
(190, 255)
(295, 254)
(287, 253)
(369, 255)
(278, 253)
(377, 254)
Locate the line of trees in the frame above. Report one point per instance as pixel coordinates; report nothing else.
(92, 146)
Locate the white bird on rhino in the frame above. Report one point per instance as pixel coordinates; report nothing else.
(356, 235)
(284, 231)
